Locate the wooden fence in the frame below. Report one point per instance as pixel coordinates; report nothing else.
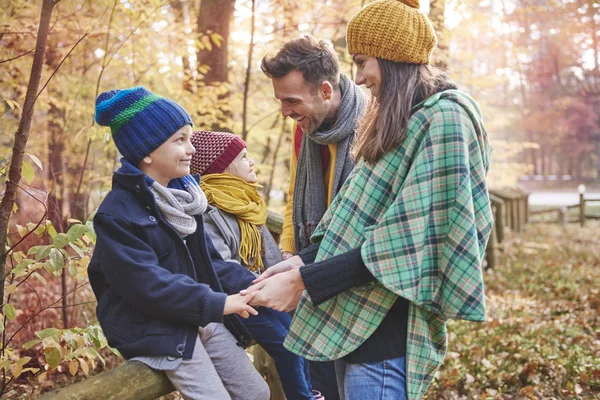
(510, 207)
(561, 214)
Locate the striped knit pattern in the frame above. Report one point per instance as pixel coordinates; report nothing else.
(393, 30)
(214, 151)
(422, 217)
(139, 120)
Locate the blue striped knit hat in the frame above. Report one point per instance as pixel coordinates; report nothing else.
(140, 121)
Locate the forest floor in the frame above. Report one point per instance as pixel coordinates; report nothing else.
(541, 339)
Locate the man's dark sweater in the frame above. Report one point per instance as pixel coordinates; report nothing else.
(328, 278)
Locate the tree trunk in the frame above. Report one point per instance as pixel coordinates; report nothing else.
(215, 16)
(180, 11)
(282, 135)
(248, 75)
(437, 8)
(22, 134)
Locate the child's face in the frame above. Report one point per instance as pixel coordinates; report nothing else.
(172, 159)
(243, 167)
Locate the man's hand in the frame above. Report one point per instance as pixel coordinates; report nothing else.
(280, 292)
(237, 303)
(294, 262)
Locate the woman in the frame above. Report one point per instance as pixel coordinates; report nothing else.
(401, 247)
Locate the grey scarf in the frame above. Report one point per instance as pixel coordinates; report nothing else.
(310, 199)
(180, 206)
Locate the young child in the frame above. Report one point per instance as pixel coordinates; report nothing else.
(160, 301)
(235, 220)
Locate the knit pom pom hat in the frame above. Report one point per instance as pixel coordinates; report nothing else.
(139, 120)
(214, 151)
(393, 30)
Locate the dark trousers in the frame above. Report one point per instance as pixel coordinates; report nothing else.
(323, 379)
(269, 328)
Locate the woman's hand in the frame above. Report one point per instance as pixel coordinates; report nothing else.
(294, 262)
(280, 292)
(287, 254)
(237, 303)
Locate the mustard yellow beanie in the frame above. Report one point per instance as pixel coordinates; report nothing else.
(393, 30)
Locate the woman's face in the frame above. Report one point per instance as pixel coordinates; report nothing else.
(368, 72)
(243, 167)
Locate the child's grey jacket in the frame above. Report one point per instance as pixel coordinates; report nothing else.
(224, 231)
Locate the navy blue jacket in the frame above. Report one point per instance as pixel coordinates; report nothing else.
(153, 290)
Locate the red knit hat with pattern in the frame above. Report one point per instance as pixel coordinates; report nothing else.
(214, 151)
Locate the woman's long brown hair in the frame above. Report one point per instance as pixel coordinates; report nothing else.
(384, 127)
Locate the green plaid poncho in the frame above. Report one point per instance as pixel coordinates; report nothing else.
(422, 218)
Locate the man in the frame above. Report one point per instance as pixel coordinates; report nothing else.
(327, 107)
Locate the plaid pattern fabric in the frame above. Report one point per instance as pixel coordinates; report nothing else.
(422, 218)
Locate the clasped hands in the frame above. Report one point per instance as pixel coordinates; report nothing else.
(279, 287)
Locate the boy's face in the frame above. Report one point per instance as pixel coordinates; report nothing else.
(172, 159)
(243, 167)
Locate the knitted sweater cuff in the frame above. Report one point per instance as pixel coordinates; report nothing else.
(287, 244)
(213, 308)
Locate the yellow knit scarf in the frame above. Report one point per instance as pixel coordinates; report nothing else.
(240, 198)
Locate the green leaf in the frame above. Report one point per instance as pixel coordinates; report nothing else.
(72, 269)
(56, 260)
(48, 332)
(76, 231)
(22, 230)
(40, 251)
(61, 240)
(18, 256)
(31, 343)
(53, 357)
(23, 360)
(77, 249)
(36, 161)
(51, 230)
(21, 268)
(40, 278)
(4, 365)
(12, 104)
(9, 311)
(27, 172)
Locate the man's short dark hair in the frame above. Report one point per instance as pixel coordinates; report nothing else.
(315, 59)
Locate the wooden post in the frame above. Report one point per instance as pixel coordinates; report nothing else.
(499, 218)
(582, 209)
(562, 216)
(515, 215)
(490, 250)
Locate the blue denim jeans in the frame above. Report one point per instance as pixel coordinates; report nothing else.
(269, 328)
(383, 380)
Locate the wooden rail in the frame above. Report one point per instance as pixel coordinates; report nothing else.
(561, 212)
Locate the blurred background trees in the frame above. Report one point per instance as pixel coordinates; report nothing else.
(533, 66)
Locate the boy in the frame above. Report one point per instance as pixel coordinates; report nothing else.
(159, 298)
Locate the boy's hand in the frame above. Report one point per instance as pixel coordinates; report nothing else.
(238, 304)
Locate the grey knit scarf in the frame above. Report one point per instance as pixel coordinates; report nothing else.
(179, 206)
(310, 199)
